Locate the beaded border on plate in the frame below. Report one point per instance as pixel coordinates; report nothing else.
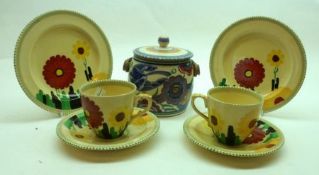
(104, 147)
(234, 154)
(18, 46)
(269, 20)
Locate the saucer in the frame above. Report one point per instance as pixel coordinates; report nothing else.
(261, 54)
(74, 130)
(55, 54)
(266, 139)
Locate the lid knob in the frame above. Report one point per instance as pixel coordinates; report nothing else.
(163, 41)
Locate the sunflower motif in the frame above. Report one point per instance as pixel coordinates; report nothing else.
(59, 72)
(249, 73)
(275, 57)
(119, 117)
(92, 112)
(81, 50)
(247, 122)
(216, 122)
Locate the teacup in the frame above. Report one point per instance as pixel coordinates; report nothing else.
(232, 112)
(109, 104)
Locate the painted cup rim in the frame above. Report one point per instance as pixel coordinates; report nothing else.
(247, 91)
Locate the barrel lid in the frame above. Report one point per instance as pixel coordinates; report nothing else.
(162, 54)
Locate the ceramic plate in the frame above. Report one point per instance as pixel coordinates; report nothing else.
(55, 54)
(74, 130)
(261, 54)
(265, 139)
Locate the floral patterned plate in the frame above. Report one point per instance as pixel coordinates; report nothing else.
(261, 54)
(55, 54)
(265, 139)
(74, 130)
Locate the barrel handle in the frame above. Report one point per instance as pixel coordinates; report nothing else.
(127, 64)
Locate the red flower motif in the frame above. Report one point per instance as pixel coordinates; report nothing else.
(92, 112)
(249, 73)
(278, 100)
(186, 68)
(59, 72)
(256, 136)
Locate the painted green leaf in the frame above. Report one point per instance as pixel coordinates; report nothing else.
(49, 101)
(223, 82)
(271, 136)
(68, 124)
(39, 95)
(113, 133)
(65, 101)
(222, 138)
(237, 140)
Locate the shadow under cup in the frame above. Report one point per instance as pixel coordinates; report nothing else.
(232, 113)
(108, 106)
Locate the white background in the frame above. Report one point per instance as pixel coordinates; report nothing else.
(29, 144)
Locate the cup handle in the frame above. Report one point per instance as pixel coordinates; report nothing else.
(204, 97)
(148, 98)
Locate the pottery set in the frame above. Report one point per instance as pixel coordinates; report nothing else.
(63, 63)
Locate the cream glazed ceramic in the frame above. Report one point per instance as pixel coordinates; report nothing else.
(75, 131)
(232, 112)
(261, 54)
(56, 53)
(265, 139)
(108, 106)
(166, 73)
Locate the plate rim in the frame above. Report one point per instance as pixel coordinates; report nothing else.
(23, 34)
(234, 154)
(122, 146)
(270, 20)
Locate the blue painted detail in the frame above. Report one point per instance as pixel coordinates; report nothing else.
(172, 92)
(160, 39)
(139, 74)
